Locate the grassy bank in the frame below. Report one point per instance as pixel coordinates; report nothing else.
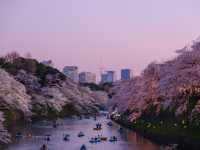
(167, 132)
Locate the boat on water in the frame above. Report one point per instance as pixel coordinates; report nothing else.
(120, 130)
(83, 147)
(87, 117)
(104, 138)
(47, 137)
(19, 135)
(95, 140)
(92, 140)
(66, 137)
(113, 139)
(44, 147)
(110, 124)
(98, 127)
(81, 134)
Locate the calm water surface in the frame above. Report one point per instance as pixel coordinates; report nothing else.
(128, 140)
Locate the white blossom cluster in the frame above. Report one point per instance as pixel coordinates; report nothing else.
(4, 135)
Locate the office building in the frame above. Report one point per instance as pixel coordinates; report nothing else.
(87, 77)
(126, 74)
(108, 77)
(71, 72)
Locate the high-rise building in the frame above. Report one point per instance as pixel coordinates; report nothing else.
(87, 77)
(103, 77)
(108, 77)
(71, 72)
(126, 74)
(111, 76)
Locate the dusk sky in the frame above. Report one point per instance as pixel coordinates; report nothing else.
(112, 34)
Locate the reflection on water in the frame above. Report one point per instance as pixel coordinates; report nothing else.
(127, 140)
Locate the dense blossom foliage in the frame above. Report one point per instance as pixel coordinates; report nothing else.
(172, 86)
(29, 89)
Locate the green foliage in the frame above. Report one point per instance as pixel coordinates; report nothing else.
(192, 101)
(2, 61)
(42, 71)
(166, 129)
(33, 67)
(93, 86)
(11, 116)
(17, 64)
(68, 110)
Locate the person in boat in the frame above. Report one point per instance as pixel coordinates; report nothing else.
(83, 147)
(55, 124)
(66, 137)
(110, 123)
(48, 137)
(113, 139)
(95, 118)
(44, 147)
(19, 135)
(87, 117)
(81, 134)
(92, 140)
(97, 139)
(120, 130)
(98, 126)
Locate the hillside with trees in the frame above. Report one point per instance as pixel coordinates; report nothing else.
(164, 101)
(30, 90)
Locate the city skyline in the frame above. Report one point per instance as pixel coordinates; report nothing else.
(106, 76)
(98, 34)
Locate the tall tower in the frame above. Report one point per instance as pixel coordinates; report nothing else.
(101, 69)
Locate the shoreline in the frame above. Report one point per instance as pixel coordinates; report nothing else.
(179, 141)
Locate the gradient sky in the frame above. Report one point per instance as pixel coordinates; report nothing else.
(112, 34)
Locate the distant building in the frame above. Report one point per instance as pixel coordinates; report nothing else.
(48, 63)
(111, 76)
(103, 77)
(108, 77)
(71, 72)
(87, 77)
(126, 74)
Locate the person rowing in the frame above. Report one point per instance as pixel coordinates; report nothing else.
(83, 147)
(44, 147)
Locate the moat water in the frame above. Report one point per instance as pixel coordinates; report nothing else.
(34, 136)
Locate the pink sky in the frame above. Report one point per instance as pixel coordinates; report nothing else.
(91, 34)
